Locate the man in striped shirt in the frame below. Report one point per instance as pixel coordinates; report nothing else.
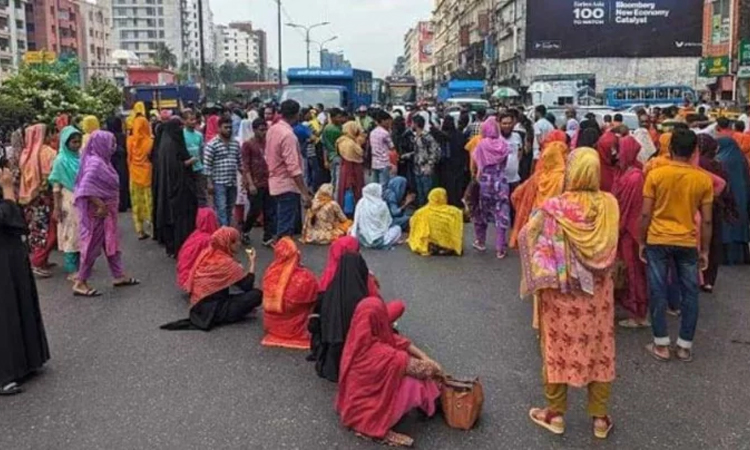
(221, 160)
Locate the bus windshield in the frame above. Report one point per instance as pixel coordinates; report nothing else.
(399, 95)
(313, 95)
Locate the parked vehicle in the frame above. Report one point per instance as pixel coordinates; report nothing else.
(343, 88)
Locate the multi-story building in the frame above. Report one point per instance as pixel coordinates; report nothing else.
(726, 49)
(142, 24)
(333, 60)
(258, 37)
(191, 33)
(97, 39)
(238, 47)
(54, 25)
(418, 45)
(12, 35)
(445, 19)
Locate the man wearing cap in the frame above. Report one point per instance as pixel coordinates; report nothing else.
(364, 120)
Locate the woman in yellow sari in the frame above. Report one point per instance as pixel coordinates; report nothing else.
(324, 221)
(140, 146)
(437, 227)
(568, 249)
(549, 180)
(89, 124)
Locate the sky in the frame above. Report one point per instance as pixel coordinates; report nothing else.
(370, 32)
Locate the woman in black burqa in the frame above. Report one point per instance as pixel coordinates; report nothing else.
(120, 161)
(23, 342)
(175, 200)
(335, 309)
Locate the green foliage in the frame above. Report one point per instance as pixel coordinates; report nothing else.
(39, 94)
(163, 56)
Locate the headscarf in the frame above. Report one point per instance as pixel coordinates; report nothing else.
(138, 108)
(215, 268)
(89, 124)
(66, 165)
(549, 181)
(491, 150)
(372, 368)
(648, 148)
(347, 145)
(212, 127)
(608, 168)
(395, 191)
(664, 143)
(437, 223)
(279, 274)
(573, 234)
(140, 145)
(628, 187)
(61, 121)
(339, 301)
(323, 197)
(97, 176)
(372, 218)
(340, 247)
(35, 163)
(206, 224)
(555, 136)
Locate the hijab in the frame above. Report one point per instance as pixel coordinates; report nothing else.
(32, 164)
(581, 236)
(492, 150)
(608, 168)
(437, 223)
(395, 191)
(348, 288)
(550, 179)
(372, 218)
(215, 268)
(628, 187)
(212, 127)
(323, 197)
(372, 368)
(67, 163)
(97, 176)
(286, 259)
(340, 247)
(347, 145)
(206, 224)
(140, 144)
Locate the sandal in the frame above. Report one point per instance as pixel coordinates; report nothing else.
(602, 432)
(634, 324)
(707, 288)
(651, 349)
(11, 389)
(478, 247)
(391, 439)
(683, 354)
(142, 237)
(90, 293)
(501, 255)
(549, 420)
(673, 312)
(41, 273)
(128, 282)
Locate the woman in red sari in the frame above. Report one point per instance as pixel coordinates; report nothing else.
(382, 377)
(206, 223)
(628, 190)
(289, 294)
(606, 147)
(339, 248)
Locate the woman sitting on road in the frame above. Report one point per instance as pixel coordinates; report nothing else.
(338, 249)
(290, 291)
(398, 201)
(575, 292)
(324, 221)
(206, 224)
(373, 225)
(382, 377)
(213, 273)
(437, 228)
(333, 313)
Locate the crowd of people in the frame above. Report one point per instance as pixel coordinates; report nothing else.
(599, 214)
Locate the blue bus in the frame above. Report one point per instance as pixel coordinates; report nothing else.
(623, 97)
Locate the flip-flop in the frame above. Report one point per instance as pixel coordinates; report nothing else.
(13, 390)
(651, 349)
(128, 282)
(687, 359)
(91, 293)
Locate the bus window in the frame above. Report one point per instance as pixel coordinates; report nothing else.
(620, 94)
(634, 94)
(648, 94)
(661, 93)
(675, 93)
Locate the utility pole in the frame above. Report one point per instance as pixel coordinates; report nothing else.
(307, 35)
(281, 74)
(201, 51)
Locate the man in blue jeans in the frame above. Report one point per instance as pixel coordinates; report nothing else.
(285, 181)
(672, 195)
(221, 160)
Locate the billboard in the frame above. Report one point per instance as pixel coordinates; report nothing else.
(426, 35)
(613, 28)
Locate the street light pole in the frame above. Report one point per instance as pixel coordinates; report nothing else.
(201, 52)
(307, 35)
(281, 74)
(320, 48)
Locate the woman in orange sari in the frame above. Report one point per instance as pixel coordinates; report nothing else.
(524, 198)
(568, 249)
(140, 144)
(549, 180)
(289, 295)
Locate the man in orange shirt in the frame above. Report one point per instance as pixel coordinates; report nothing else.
(672, 195)
(742, 138)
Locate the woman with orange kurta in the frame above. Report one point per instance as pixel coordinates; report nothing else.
(140, 144)
(568, 249)
(289, 294)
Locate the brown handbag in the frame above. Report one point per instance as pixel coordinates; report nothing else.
(462, 402)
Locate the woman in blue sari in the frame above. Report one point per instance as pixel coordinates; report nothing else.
(397, 200)
(736, 235)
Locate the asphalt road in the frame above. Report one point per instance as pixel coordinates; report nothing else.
(115, 381)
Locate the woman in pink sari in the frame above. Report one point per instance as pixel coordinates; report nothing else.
(97, 196)
(628, 190)
(206, 223)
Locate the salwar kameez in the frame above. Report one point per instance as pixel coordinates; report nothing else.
(68, 230)
(140, 198)
(493, 207)
(98, 235)
(42, 229)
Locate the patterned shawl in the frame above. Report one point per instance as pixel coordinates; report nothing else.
(573, 234)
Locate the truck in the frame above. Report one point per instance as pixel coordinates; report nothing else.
(344, 88)
(461, 89)
(170, 96)
(400, 91)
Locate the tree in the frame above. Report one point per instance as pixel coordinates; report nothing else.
(107, 93)
(243, 73)
(163, 56)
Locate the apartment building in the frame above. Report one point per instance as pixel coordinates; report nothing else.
(238, 47)
(54, 25)
(97, 39)
(142, 24)
(13, 42)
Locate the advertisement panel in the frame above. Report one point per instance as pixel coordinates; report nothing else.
(425, 36)
(613, 28)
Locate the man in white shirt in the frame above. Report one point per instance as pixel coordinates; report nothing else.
(572, 125)
(542, 128)
(745, 117)
(515, 144)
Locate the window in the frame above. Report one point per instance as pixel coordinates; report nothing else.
(19, 24)
(91, 32)
(91, 16)
(21, 44)
(161, 34)
(149, 11)
(152, 45)
(161, 22)
(17, 4)
(150, 22)
(720, 21)
(151, 34)
(161, 11)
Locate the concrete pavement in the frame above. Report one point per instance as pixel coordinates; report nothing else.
(116, 381)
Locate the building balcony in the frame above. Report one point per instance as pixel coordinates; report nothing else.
(4, 32)
(5, 51)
